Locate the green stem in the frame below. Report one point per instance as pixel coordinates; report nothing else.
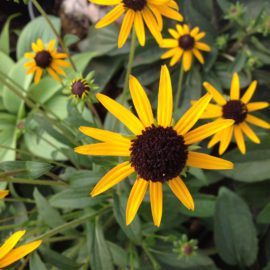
(24, 200)
(153, 261)
(32, 182)
(95, 114)
(44, 14)
(179, 87)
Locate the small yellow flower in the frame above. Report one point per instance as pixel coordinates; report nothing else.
(9, 254)
(137, 13)
(3, 193)
(158, 151)
(239, 110)
(45, 58)
(184, 44)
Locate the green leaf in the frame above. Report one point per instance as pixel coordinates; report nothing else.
(98, 249)
(119, 255)
(6, 65)
(37, 28)
(234, 231)
(264, 215)
(36, 262)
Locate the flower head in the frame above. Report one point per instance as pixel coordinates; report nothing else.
(3, 193)
(184, 247)
(9, 254)
(237, 109)
(158, 151)
(183, 45)
(45, 58)
(137, 13)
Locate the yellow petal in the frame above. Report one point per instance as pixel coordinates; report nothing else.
(177, 56)
(198, 55)
(139, 28)
(156, 198)
(239, 138)
(105, 2)
(113, 177)
(194, 31)
(62, 63)
(126, 27)
(121, 113)
(18, 253)
(157, 2)
(135, 199)
(257, 121)
(207, 130)
(204, 161)
(53, 74)
(225, 139)
(216, 95)
(215, 139)
(38, 75)
(199, 36)
(57, 69)
(174, 33)
(190, 118)
(29, 55)
(187, 60)
(235, 87)
(170, 13)
(202, 46)
(3, 193)
(10, 243)
(165, 99)
(111, 17)
(180, 190)
(255, 106)
(104, 135)
(170, 53)
(141, 102)
(249, 92)
(249, 132)
(105, 149)
(169, 43)
(157, 15)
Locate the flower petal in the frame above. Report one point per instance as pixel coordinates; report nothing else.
(156, 197)
(135, 199)
(121, 113)
(215, 139)
(139, 28)
(204, 161)
(38, 75)
(3, 193)
(216, 95)
(255, 106)
(239, 138)
(198, 55)
(187, 60)
(126, 27)
(190, 118)
(165, 99)
(113, 177)
(168, 12)
(180, 190)
(249, 132)
(235, 87)
(225, 139)
(169, 43)
(141, 102)
(202, 46)
(105, 2)
(257, 121)
(249, 92)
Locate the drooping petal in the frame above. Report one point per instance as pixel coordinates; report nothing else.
(177, 56)
(104, 135)
(215, 139)
(202, 46)
(38, 75)
(157, 15)
(225, 139)
(187, 60)
(190, 118)
(170, 13)
(126, 27)
(105, 149)
(111, 16)
(121, 113)
(249, 132)
(198, 55)
(156, 198)
(139, 28)
(216, 95)
(255, 106)
(207, 130)
(10, 243)
(113, 177)
(235, 87)
(199, 36)
(204, 161)
(173, 33)
(18, 253)
(194, 31)
(257, 121)
(239, 138)
(180, 190)
(141, 102)
(165, 99)
(135, 199)
(170, 53)
(53, 74)
(249, 92)
(62, 63)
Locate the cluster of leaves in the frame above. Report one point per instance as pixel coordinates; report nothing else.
(50, 184)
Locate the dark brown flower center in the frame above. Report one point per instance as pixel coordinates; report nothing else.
(79, 87)
(158, 154)
(136, 5)
(186, 42)
(43, 59)
(236, 110)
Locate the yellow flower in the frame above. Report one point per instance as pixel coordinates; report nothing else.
(184, 44)
(45, 58)
(158, 151)
(138, 13)
(3, 193)
(8, 255)
(238, 109)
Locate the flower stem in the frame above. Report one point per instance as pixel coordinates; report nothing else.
(60, 40)
(179, 87)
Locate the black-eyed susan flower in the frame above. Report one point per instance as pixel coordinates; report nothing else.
(183, 45)
(45, 58)
(137, 13)
(158, 151)
(3, 193)
(237, 109)
(9, 254)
